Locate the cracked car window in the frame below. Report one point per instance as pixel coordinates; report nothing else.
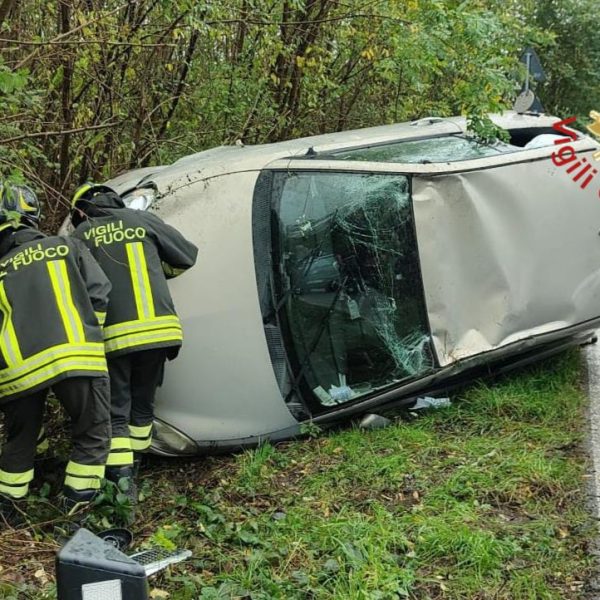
(349, 282)
(434, 150)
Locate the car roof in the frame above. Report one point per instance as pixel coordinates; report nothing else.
(237, 158)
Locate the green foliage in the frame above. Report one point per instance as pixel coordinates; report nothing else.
(112, 507)
(572, 58)
(254, 465)
(15, 99)
(142, 83)
(485, 131)
(485, 495)
(11, 82)
(9, 591)
(488, 494)
(310, 429)
(165, 537)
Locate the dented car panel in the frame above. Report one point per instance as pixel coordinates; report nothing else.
(507, 253)
(348, 271)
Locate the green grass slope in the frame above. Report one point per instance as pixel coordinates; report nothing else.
(483, 500)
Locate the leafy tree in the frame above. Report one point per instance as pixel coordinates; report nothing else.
(89, 88)
(572, 58)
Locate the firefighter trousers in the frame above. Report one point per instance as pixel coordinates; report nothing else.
(86, 400)
(134, 378)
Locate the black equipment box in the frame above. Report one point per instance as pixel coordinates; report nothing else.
(88, 568)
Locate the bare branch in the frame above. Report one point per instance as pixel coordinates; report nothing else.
(81, 42)
(373, 16)
(45, 134)
(33, 54)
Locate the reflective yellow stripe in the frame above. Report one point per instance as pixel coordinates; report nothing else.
(119, 459)
(146, 279)
(55, 369)
(101, 316)
(140, 280)
(85, 351)
(16, 478)
(15, 485)
(79, 192)
(135, 279)
(139, 339)
(120, 443)
(141, 325)
(141, 436)
(140, 431)
(14, 491)
(62, 290)
(83, 483)
(8, 337)
(74, 468)
(120, 452)
(140, 445)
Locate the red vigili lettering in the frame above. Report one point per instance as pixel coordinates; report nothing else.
(560, 127)
(565, 155)
(589, 178)
(576, 165)
(584, 170)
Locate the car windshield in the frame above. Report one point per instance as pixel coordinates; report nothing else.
(349, 281)
(435, 150)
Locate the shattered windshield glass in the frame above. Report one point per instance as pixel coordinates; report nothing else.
(440, 149)
(349, 282)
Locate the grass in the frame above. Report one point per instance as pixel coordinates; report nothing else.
(483, 500)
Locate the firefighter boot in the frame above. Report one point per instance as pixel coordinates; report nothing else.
(124, 479)
(73, 501)
(10, 513)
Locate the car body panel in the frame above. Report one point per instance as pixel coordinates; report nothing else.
(498, 262)
(489, 296)
(221, 385)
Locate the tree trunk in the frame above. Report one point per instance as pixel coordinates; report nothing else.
(67, 116)
(5, 7)
(189, 54)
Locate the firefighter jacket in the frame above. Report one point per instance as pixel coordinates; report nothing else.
(53, 297)
(138, 252)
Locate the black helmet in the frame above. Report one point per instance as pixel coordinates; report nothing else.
(88, 190)
(90, 200)
(22, 200)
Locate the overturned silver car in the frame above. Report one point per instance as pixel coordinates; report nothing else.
(345, 272)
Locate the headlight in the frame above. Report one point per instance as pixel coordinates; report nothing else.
(170, 441)
(140, 199)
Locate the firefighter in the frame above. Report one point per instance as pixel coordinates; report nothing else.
(138, 252)
(53, 299)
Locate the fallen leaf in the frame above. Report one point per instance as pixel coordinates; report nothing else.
(156, 593)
